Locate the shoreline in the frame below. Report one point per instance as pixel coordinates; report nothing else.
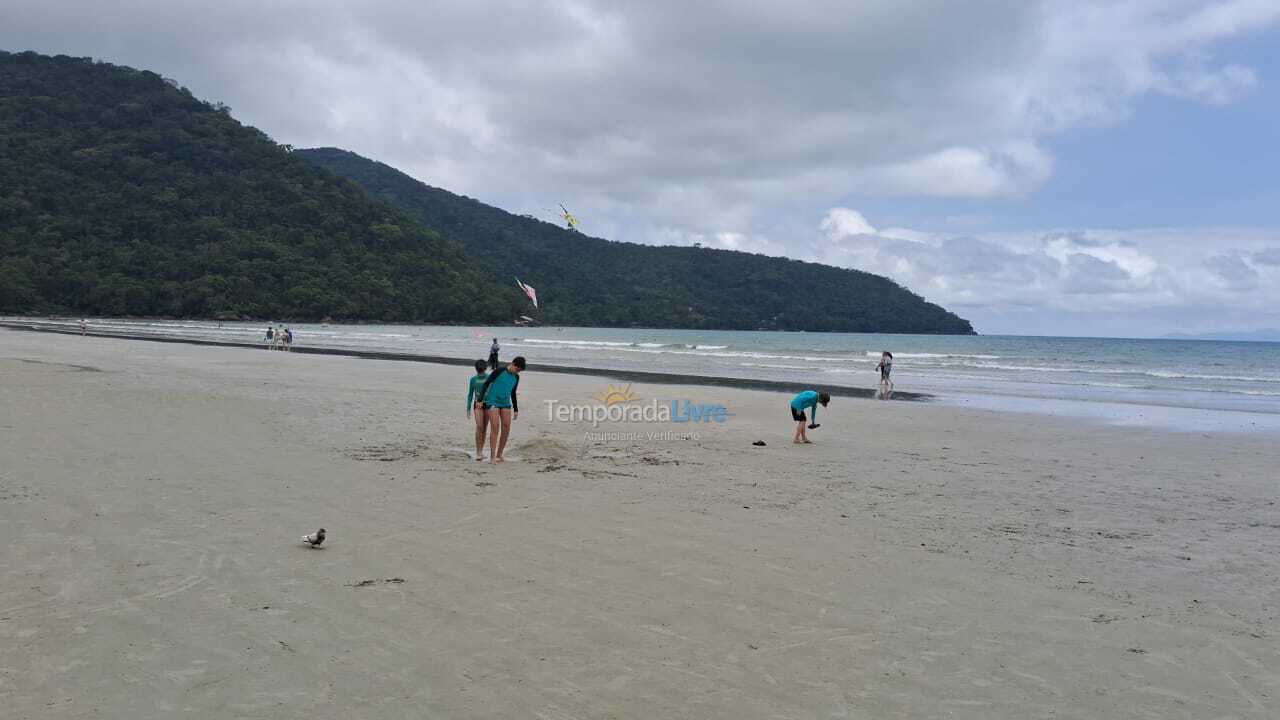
(641, 376)
(1126, 412)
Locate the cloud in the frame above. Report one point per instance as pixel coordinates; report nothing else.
(1096, 272)
(1086, 274)
(1267, 256)
(1013, 169)
(1216, 87)
(609, 101)
(1233, 271)
(842, 222)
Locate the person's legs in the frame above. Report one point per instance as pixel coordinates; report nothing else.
(482, 423)
(505, 415)
(798, 416)
(492, 415)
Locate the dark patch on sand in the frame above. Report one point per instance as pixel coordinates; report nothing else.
(383, 581)
(77, 368)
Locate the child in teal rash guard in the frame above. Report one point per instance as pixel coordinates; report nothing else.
(502, 405)
(473, 404)
(809, 399)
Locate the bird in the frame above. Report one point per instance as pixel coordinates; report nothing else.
(314, 539)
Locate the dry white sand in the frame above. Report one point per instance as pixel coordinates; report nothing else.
(917, 561)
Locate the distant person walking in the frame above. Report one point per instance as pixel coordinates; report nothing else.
(493, 355)
(475, 393)
(84, 327)
(271, 337)
(501, 405)
(886, 367)
(807, 400)
(288, 339)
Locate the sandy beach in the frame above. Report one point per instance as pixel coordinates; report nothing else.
(916, 561)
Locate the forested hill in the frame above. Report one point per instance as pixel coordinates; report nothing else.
(122, 194)
(589, 281)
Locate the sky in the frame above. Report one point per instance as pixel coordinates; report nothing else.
(1083, 167)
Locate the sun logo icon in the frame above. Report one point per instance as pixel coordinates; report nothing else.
(614, 395)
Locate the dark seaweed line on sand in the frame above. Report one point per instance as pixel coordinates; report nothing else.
(637, 376)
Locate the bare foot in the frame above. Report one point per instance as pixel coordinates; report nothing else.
(499, 459)
(480, 458)
(808, 442)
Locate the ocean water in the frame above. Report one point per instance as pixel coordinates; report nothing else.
(1123, 380)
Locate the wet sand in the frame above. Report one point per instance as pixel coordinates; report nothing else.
(612, 374)
(916, 561)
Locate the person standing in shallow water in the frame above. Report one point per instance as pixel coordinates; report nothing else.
(493, 355)
(885, 367)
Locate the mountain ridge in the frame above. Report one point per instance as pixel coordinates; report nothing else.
(122, 194)
(593, 281)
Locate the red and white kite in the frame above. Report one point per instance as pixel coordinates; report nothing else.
(529, 292)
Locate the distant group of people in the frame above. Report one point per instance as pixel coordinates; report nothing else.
(279, 338)
(493, 402)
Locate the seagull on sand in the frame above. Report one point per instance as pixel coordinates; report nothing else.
(314, 539)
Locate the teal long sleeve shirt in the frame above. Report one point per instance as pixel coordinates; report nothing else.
(499, 390)
(805, 400)
(473, 389)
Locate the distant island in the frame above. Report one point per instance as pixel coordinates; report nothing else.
(1267, 335)
(124, 195)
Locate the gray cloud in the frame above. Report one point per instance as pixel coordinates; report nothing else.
(1268, 256)
(971, 256)
(1086, 274)
(719, 122)
(1127, 273)
(1234, 271)
(627, 102)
